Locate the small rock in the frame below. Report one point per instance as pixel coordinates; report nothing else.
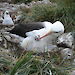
(67, 53)
(65, 40)
(46, 1)
(1, 14)
(73, 72)
(1, 19)
(0, 39)
(13, 38)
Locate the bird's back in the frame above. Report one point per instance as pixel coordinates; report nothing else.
(21, 29)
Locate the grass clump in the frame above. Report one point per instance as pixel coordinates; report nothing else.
(46, 12)
(41, 12)
(35, 65)
(6, 62)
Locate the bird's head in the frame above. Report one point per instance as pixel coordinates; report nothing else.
(6, 13)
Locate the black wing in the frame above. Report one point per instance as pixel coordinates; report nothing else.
(21, 29)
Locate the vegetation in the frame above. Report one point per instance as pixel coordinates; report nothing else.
(6, 61)
(35, 65)
(62, 11)
(31, 63)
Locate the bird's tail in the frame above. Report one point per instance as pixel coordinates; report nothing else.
(26, 43)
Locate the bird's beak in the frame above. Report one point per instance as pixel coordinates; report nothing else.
(41, 37)
(45, 35)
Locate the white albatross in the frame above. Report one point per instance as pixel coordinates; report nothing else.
(38, 35)
(40, 39)
(7, 19)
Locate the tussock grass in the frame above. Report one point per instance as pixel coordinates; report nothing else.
(62, 11)
(30, 64)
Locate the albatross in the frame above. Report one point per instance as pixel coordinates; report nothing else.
(38, 35)
(7, 19)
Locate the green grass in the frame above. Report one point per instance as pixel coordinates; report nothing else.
(61, 11)
(30, 64)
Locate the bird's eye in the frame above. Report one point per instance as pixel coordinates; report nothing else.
(7, 13)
